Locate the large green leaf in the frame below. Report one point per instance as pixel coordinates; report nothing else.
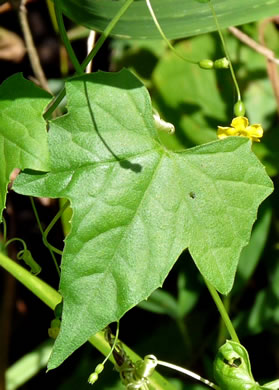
(178, 18)
(137, 206)
(23, 136)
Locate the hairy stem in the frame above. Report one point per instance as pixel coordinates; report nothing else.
(51, 298)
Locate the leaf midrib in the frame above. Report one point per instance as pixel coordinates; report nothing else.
(108, 267)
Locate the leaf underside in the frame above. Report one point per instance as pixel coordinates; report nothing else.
(137, 206)
(178, 18)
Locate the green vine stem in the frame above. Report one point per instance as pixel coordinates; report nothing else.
(4, 229)
(222, 327)
(42, 232)
(50, 226)
(65, 39)
(225, 50)
(51, 298)
(107, 31)
(222, 311)
(51, 12)
(155, 20)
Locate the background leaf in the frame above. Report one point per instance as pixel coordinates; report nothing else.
(137, 206)
(177, 18)
(194, 100)
(251, 254)
(23, 137)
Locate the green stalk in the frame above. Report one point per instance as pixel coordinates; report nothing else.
(4, 229)
(65, 39)
(51, 12)
(39, 288)
(222, 328)
(42, 232)
(225, 50)
(50, 226)
(161, 32)
(16, 239)
(51, 298)
(107, 31)
(222, 311)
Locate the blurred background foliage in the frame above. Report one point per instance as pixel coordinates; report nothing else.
(178, 323)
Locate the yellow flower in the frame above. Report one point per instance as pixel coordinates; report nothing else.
(240, 127)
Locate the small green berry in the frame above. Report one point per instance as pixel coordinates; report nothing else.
(99, 368)
(239, 108)
(222, 63)
(58, 310)
(53, 332)
(56, 323)
(206, 64)
(54, 329)
(93, 378)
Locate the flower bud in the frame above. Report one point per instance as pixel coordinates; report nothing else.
(206, 64)
(239, 108)
(93, 378)
(222, 63)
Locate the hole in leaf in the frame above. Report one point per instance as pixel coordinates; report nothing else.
(233, 363)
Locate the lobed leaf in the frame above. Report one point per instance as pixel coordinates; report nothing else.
(178, 18)
(23, 136)
(137, 206)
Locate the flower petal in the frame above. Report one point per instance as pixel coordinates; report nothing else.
(240, 123)
(240, 127)
(224, 132)
(255, 131)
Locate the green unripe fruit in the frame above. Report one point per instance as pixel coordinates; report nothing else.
(54, 329)
(206, 64)
(222, 63)
(58, 310)
(93, 378)
(239, 108)
(99, 368)
(53, 332)
(56, 323)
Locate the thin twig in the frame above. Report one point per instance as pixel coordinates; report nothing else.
(30, 46)
(90, 45)
(5, 7)
(272, 70)
(244, 38)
